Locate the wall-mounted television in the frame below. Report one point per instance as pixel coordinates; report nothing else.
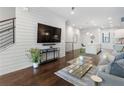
(48, 34)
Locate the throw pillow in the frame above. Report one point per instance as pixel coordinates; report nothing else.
(111, 58)
(117, 70)
(120, 63)
(119, 56)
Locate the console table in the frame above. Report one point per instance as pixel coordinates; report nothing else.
(49, 54)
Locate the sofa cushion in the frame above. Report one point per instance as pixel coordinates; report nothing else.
(119, 56)
(117, 69)
(108, 62)
(108, 68)
(120, 63)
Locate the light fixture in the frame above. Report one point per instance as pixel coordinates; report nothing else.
(26, 9)
(95, 24)
(109, 18)
(73, 25)
(72, 10)
(46, 34)
(87, 33)
(91, 34)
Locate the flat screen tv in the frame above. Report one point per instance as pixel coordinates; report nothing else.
(48, 34)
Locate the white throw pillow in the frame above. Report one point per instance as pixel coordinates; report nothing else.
(111, 58)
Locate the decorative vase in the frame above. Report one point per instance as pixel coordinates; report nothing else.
(81, 60)
(35, 65)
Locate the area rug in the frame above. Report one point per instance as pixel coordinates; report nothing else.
(84, 81)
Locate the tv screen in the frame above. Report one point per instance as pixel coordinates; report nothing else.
(48, 34)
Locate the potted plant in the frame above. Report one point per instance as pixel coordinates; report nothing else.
(82, 51)
(35, 55)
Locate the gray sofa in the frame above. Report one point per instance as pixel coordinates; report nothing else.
(110, 79)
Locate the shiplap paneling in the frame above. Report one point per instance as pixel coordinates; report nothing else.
(14, 58)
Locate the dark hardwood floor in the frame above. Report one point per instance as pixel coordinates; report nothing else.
(43, 76)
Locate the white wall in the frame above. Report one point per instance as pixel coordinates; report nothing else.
(119, 33)
(107, 45)
(85, 36)
(114, 33)
(14, 58)
(7, 12)
(72, 35)
(69, 38)
(77, 44)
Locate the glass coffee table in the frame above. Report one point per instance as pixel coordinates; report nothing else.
(79, 70)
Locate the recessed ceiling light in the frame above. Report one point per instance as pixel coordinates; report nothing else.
(87, 33)
(91, 34)
(26, 9)
(72, 10)
(109, 18)
(73, 24)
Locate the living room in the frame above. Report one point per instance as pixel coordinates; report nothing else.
(86, 34)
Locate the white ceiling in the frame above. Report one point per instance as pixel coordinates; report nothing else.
(85, 17)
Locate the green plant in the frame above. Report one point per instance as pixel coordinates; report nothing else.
(82, 51)
(35, 54)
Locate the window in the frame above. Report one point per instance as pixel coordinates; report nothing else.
(106, 37)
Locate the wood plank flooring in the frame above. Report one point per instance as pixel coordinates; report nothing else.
(43, 76)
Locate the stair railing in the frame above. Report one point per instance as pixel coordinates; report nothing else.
(7, 32)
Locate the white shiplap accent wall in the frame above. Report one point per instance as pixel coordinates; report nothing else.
(14, 58)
